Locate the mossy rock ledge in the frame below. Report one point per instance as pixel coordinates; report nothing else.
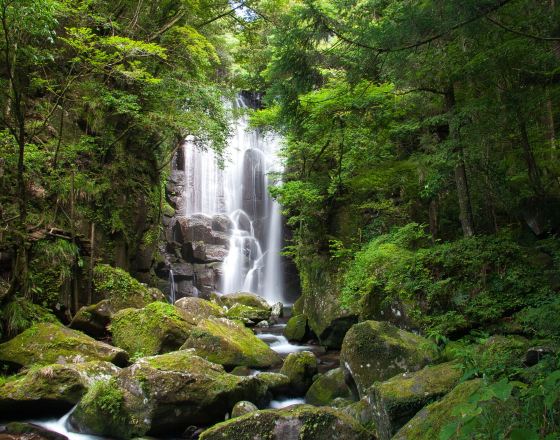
(300, 368)
(244, 298)
(300, 421)
(46, 343)
(428, 422)
(375, 351)
(327, 387)
(228, 343)
(51, 389)
(163, 395)
(155, 329)
(396, 400)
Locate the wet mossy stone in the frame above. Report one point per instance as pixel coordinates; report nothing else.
(155, 329)
(396, 400)
(242, 408)
(428, 422)
(247, 314)
(277, 384)
(229, 343)
(94, 319)
(200, 308)
(374, 351)
(295, 422)
(327, 387)
(300, 368)
(28, 431)
(47, 343)
(163, 395)
(52, 388)
(361, 412)
(296, 328)
(246, 299)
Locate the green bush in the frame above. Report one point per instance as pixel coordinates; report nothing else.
(20, 314)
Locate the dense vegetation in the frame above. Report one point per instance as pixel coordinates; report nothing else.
(421, 182)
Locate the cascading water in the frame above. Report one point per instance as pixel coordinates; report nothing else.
(240, 190)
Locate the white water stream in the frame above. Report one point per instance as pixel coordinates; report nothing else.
(240, 190)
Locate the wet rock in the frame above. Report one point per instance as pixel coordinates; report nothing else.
(375, 351)
(182, 269)
(327, 387)
(56, 387)
(262, 324)
(47, 343)
(276, 312)
(296, 422)
(296, 328)
(300, 368)
(246, 299)
(242, 408)
(277, 384)
(230, 344)
(157, 328)
(209, 252)
(94, 319)
(198, 228)
(361, 412)
(396, 400)
(428, 422)
(199, 307)
(163, 395)
(222, 223)
(247, 313)
(28, 431)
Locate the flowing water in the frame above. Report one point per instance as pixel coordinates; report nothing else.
(240, 190)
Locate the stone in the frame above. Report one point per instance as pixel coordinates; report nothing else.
(28, 431)
(246, 299)
(277, 384)
(300, 368)
(247, 313)
(262, 324)
(327, 387)
(182, 269)
(47, 343)
(94, 319)
(55, 387)
(228, 343)
(242, 408)
(295, 422)
(296, 328)
(276, 312)
(375, 351)
(155, 329)
(361, 412)
(163, 395)
(199, 308)
(428, 422)
(396, 400)
(208, 253)
(222, 223)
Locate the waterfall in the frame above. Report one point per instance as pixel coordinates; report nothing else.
(240, 190)
(172, 287)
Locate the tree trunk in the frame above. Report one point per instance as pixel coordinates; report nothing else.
(532, 167)
(433, 216)
(460, 172)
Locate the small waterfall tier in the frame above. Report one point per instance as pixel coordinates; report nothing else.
(227, 232)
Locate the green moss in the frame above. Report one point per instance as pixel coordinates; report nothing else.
(296, 328)
(300, 368)
(20, 314)
(247, 313)
(244, 298)
(327, 387)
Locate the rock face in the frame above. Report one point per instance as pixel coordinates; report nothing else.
(163, 395)
(300, 369)
(52, 388)
(296, 422)
(46, 343)
(228, 343)
(427, 423)
(375, 351)
(327, 387)
(396, 400)
(155, 329)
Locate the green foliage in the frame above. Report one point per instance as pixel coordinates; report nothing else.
(542, 320)
(20, 314)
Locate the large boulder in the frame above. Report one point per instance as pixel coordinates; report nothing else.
(94, 319)
(327, 387)
(300, 368)
(53, 388)
(246, 299)
(199, 228)
(277, 384)
(199, 308)
(228, 343)
(296, 328)
(163, 395)
(374, 351)
(428, 422)
(242, 408)
(396, 400)
(155, 329)
(46, 343)
(247, 314)
(296, 422)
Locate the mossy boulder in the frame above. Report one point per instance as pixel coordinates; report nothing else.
(52, 388)
(296, 328)
(396, 400)
(247, 314)
(94, 319)
(327, 387)
(300, 368)
(242, 408)
(296, 422)
(157, 328)
(374, 351)
(361, 412)
(228, 343)
(244, 298)
(121, 289)
(277, 384)
(199, 308)
(428, 422)
(28, 431)
(47, 343)
(163, 395)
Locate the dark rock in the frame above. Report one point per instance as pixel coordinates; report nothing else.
(29, 431)
(327, 387)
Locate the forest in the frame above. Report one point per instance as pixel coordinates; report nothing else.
(280, 219)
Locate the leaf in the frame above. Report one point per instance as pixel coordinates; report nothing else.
(448, 431)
